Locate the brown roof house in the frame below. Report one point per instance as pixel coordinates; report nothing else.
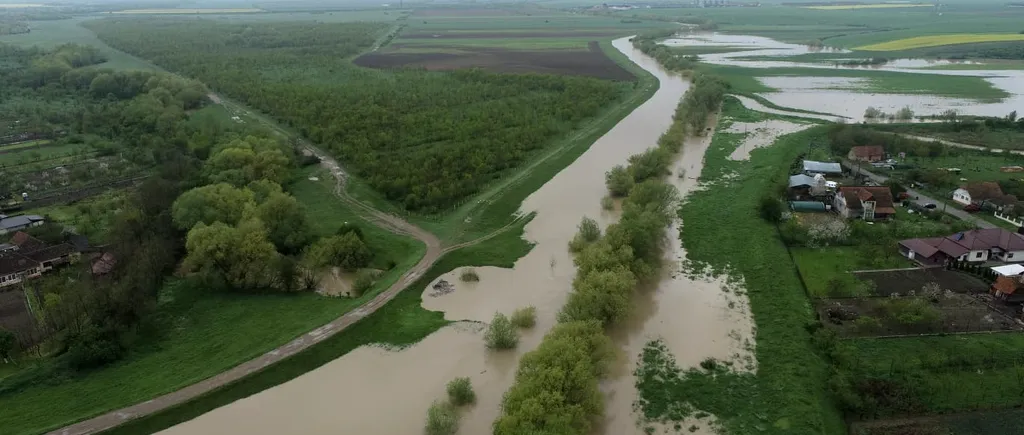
(864, 202)
(990, 244)
(867, 153)
(29, 257)
(976, 193)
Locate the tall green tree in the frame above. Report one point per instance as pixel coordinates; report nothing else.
(241, 255)
(213, 203)
(285, 220)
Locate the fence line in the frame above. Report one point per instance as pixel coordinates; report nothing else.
(1008, 218)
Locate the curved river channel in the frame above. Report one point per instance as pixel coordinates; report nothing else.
(374, 390)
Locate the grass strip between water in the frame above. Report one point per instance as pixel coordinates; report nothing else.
(401, 322)
(722, 231)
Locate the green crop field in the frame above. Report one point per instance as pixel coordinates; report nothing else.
(511, 44)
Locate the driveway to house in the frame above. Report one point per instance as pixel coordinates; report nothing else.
(922, 199)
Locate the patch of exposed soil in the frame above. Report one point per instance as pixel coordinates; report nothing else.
(955, 313)
(592, 62)
(904, 281)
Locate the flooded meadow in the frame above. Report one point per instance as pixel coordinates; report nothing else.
(849, 96)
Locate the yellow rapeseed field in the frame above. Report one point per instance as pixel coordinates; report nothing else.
(937, 40)
(871, 6)
(189, 11)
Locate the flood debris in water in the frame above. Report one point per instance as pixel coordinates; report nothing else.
(440, 288)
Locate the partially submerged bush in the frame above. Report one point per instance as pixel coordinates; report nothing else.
(469, 275)
(588, 233)
(501, 334)
(442, 419)
(524, 317)
(460, 392)
(619, 181)
(607, 203)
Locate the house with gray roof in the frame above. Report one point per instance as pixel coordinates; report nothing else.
(10, 224)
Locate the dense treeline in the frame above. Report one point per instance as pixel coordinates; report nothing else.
(94, 319)
(556, 389)
(426, 140)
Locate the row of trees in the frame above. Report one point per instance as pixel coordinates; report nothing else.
(609, 267)
(426, 140)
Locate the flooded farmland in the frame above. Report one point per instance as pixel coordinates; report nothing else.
(374, 390)
(848, 97)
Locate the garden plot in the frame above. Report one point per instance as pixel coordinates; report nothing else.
(939, 312)
(904, 282)
(70, 176)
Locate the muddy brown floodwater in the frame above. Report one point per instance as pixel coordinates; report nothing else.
(374, 390)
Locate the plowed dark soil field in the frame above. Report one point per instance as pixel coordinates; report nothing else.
(592, 62)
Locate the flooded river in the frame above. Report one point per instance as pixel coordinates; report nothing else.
(848, 96)
(374, 390)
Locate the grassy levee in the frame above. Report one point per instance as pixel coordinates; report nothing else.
(401, 322)
(722, 231)
(496, 206)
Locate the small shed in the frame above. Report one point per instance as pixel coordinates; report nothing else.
(1009, 270)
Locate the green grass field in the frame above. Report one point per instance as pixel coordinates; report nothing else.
(787, 393)
(744, 80)
(951, 373)
(974, 166)
(51, 33)
(26, 154)
(818, 266)
(24, 145)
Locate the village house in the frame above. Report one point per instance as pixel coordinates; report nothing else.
(864, 202)
(977, 193)
(28, 257)
(10, 224)
(977, 246)
(867, 153)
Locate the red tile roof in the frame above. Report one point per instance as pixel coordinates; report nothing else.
(961, 243)
(868, 152)
(856, 195)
